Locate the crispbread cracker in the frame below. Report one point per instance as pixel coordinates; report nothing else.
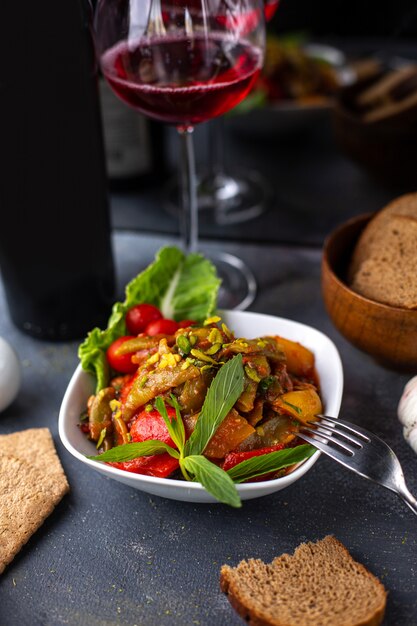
(36, 446)
(26, 500)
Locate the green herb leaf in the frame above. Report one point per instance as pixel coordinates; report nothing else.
(213, 478)
(266, 383)
(130, 451)
(270, 462)
(175, 426)
(222, 394)
(293, 406)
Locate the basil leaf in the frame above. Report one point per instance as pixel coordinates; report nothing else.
(222, 394)
(176, 433)
(213, 478)
(270, 462)
(130, 451)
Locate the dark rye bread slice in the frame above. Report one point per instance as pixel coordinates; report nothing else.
(405, 205)
(319, 585)
(389, 273)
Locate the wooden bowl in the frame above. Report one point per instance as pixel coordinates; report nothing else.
(387, 333)
(385, 149)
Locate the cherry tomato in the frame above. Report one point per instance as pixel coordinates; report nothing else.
(139, 316)
(163, 326)
(120, 362)
(151, 425)
(186, 323)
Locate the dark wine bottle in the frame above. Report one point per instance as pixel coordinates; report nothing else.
(134, 144)
(56, 257)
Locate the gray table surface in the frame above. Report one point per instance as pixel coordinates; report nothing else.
(111, 555)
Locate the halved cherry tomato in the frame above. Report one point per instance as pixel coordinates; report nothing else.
(139, 316)
(162, 326)
(186, 323)
(151, 425)
(122, 362)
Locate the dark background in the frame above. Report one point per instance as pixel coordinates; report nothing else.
(357, 18)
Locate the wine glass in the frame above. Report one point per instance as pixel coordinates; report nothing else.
(184, 62)
(232, 195)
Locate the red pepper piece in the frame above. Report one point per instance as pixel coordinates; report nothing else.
(124, 390)
(159, 465)
(234, 458)
(151, 425)
(186, 323)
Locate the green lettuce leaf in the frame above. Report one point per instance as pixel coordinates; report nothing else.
(182, 286)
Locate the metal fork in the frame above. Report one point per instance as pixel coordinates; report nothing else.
(360, 451)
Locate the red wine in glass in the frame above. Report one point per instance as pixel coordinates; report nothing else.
(181, 81)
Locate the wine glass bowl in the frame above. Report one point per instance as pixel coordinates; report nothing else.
(182, 62)
(158, 78)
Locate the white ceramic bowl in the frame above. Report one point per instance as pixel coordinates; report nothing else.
(244, 324)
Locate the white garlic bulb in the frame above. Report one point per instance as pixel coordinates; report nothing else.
(10, 374)
(407, 412)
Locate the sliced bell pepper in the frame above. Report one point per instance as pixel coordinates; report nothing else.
(151, 425)
(159, 465)
(234, 458)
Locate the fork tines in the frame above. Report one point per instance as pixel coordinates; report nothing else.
(335, 432)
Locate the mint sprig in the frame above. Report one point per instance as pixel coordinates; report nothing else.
(222, 394)
(215, 480)
(270, 462)
(130, 451)
(176, 425)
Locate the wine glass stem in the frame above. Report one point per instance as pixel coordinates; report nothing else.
(216, 146)
(189, 209)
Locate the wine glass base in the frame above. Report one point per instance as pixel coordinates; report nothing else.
(239, 197)
(238, 287)
(231, 198)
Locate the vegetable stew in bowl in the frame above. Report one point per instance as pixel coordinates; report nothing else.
(211, 413)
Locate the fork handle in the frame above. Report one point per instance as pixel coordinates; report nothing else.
(408, 499)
